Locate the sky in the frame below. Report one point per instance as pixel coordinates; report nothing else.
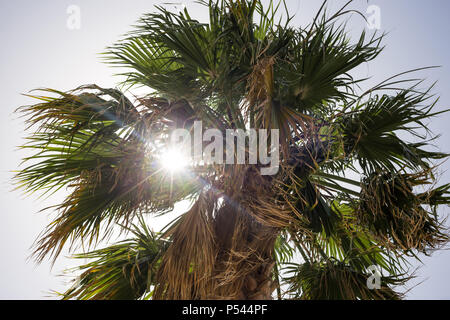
(43, 46)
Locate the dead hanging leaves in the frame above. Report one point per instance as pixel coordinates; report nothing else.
(400, 217)
(186, 268)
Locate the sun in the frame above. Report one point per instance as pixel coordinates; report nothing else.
(174, 160)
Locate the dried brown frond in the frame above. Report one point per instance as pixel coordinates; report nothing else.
(391, 209)
(186, 268)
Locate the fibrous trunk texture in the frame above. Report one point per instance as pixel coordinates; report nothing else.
(244, 265)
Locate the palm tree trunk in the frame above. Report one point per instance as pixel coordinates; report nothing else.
(245, 266)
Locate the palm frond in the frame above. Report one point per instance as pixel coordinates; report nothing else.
(98, 149)
(372, 130)
(337, 281)
(125, 271)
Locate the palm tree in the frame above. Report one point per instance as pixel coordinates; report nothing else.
(351, 191)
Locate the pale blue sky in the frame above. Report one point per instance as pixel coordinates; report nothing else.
(38, 50)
